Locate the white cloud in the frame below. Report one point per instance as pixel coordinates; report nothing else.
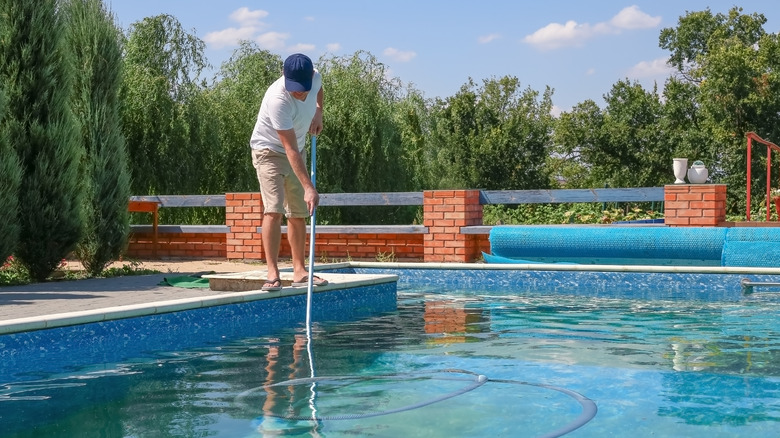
(651, 69)
(590, 72)
(632, 18)
(488, 38)
(573, 34)
(251, 27)
(556, 35)
(245, 17)
(249, 24)
(398, 55)
(229, 37)
(272, 40)
(302, 48)
(333, 47)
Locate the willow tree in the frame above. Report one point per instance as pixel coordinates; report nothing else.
(95, 41)
(236, 97)
(36, 72)
(163, 63)
(361, 148)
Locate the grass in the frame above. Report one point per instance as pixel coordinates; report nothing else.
(14, 273)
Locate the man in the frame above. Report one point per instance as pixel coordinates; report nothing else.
(291, 108)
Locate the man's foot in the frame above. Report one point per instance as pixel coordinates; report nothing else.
(316, 281)
(272, 285)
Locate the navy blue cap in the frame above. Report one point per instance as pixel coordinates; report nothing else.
(298, 73)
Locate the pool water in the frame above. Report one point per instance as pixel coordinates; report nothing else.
(660, 368)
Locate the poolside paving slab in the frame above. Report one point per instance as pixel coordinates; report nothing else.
(61, 303)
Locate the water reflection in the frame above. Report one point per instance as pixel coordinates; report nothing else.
(454, 321)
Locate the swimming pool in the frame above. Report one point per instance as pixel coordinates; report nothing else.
(663, 354)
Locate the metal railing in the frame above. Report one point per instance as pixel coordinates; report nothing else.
(769, 146)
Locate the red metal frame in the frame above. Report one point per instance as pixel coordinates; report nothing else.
(769, 146)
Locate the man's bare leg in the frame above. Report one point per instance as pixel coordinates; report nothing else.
(296, 235)
(272, 238)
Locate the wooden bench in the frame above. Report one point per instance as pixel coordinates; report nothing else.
(152, 207)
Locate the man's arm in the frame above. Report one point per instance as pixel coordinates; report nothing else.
(316, 122)
(290, 143)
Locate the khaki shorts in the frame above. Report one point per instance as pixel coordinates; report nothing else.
(281, 190)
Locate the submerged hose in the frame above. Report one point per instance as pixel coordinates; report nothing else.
(589, 408)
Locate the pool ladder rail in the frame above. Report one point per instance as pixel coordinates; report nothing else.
(748, 285)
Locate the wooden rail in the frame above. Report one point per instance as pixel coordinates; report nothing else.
(487, 197)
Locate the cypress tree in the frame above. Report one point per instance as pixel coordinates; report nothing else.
(95, 41)
(42, 129)
(9, 186)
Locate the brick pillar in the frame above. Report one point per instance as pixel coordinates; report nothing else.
(243, 214)
(694, 205)
(445, 211)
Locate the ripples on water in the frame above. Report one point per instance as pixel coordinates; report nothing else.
(700, 352)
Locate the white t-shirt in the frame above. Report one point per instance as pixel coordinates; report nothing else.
(280, 111)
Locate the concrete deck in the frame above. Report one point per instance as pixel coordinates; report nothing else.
(56, 304)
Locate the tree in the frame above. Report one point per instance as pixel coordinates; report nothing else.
(361, 148)
(36, 71)
(735, 66)
(236, 98)
(576, 133)
(635, 152)
(162, 66)
(492, 137)
(95, 40)
(10, 175)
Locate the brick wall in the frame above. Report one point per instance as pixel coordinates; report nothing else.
(243, 214)
(694, 205)
(369, 246)
(445, 212)
(178, 245)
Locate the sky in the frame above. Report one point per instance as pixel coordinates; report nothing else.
(579, 48)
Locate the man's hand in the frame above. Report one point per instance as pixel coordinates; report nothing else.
(312, 198)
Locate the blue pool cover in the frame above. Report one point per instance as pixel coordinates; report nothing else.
(678, 246)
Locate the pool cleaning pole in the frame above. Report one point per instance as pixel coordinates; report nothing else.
(309, 291)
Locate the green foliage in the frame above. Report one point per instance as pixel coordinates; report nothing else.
(236, 97)
(169, 134)
(734, 64)
(361, 148)
(36, 72)
(492, 137)
(95, 39)
(579, 213)
(620, 146)
(10, 175)
(132, 268)
(12, 273)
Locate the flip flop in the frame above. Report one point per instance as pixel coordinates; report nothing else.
(316, 281)
(272, 285)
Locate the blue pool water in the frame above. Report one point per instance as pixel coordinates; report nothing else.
(661, 355)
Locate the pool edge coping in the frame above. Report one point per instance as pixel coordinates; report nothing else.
(44, 322)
